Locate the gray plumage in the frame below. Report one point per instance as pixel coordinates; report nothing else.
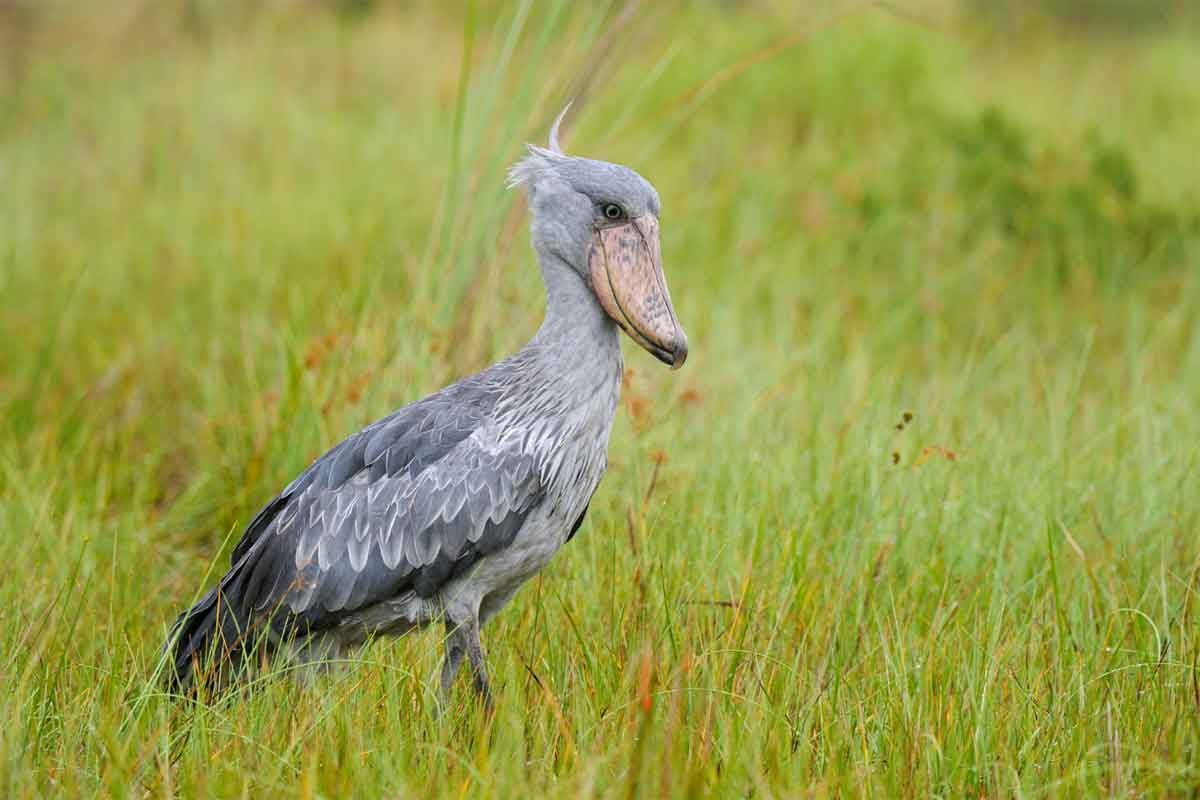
(440, 511)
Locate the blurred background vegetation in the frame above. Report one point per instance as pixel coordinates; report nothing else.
(920, 514)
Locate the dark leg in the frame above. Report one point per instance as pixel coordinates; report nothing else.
(456, 648)
(470, 631)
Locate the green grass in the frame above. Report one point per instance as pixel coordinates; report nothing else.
(228, 239)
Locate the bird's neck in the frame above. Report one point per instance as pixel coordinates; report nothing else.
(576, 330)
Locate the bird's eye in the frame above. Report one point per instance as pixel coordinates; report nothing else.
(613, 211)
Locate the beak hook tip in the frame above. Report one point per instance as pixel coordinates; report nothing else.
(680, 353)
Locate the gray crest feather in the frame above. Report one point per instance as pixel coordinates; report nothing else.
(554, 145)
(540, 159)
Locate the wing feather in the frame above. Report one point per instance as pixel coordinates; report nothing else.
(404, 505)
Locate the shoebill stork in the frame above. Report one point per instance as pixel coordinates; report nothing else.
(439, 512)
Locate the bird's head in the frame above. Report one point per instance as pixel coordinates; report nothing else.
(601, 220)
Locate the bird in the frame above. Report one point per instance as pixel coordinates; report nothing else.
(439, 512)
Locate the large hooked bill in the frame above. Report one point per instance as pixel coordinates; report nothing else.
(625, 263)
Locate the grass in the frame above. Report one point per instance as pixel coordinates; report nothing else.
(230, 238)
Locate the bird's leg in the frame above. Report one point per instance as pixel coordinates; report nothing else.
(478, 667)
(456, 648)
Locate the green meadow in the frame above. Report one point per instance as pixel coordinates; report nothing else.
(919, 517)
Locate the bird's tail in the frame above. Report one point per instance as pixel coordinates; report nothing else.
(211, 642)
(204, 639)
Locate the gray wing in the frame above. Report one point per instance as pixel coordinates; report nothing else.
(404, 505)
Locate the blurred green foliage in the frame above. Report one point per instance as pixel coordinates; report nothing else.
(1110, 16)
(1078, 207)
